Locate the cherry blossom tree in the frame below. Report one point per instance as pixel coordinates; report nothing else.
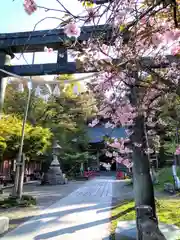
(133, 70)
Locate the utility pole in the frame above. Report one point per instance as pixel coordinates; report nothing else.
(21, 177)
(2, 81)
(19, 162)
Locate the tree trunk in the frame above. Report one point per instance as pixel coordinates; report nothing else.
(146, 220)
(143, 187)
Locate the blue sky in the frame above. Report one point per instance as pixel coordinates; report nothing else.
(13, 18)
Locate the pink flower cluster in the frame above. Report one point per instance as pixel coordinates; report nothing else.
(177, 152)
(125, 162)
(119, 144)
(72, 30)
(30, 6)
(93, 123)
(175, 50)
(49, 50)
(125, 114)
(167, 37)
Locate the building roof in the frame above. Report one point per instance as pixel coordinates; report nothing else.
(97, 134)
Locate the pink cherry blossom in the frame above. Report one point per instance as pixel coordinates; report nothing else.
(94, 123)
(114, 82)
(171, 35)
(156, 39)
(115, 154)
(177, 152)
(175, 50)
(119, 159)
(108, 154)
(72, 30)
(30, 6)
(49, 50)
(109, 125)
(127, 163)
(124, 161)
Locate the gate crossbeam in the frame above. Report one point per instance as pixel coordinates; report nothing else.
(36, 40)
(63, 67)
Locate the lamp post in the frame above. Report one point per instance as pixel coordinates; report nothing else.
(17, 190)
(20, 164)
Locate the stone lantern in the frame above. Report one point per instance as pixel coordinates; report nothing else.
(55, 175)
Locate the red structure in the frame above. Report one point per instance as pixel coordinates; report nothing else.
(120, 175)
(91, 174)
(8, 166)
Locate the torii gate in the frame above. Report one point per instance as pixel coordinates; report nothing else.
(30, 42)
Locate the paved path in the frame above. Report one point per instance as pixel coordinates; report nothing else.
(47, 195)
(84, 214)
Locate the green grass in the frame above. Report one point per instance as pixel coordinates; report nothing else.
(164, 176)
(168, 211)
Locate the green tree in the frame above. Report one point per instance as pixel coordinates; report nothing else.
(36, 142)
(65, 115)
(16, 101)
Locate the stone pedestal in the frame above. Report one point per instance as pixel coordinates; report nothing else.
(4, 224)
(126, 230)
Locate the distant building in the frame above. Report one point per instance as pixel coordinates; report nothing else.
(96, 140)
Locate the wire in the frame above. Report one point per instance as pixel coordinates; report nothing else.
(49, 82)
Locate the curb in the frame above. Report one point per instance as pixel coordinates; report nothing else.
(27, 183)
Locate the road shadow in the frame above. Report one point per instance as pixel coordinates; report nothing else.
(47, 218)
(70, 230)
(57, 215)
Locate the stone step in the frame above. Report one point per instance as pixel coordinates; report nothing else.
(126, 230)
(4, 224)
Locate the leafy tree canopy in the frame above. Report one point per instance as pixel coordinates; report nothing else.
(36, 142)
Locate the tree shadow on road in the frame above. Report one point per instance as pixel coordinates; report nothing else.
(70, 230)
(54, 216)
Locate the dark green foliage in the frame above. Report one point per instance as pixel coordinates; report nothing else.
(26, 201)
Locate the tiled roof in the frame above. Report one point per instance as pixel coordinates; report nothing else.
(96, 134)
